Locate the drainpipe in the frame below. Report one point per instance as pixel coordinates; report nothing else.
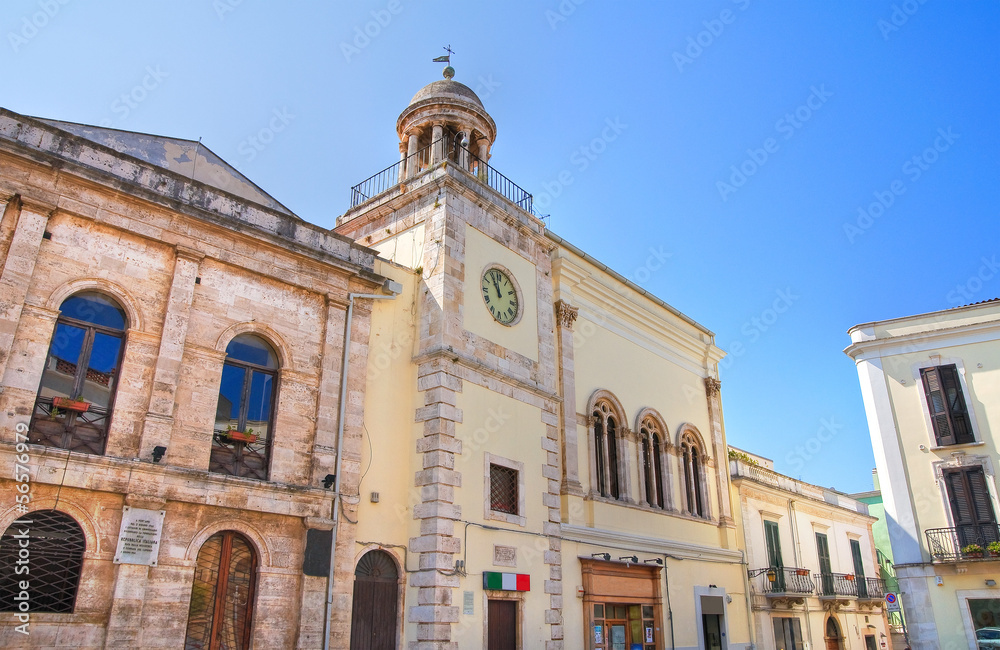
(394, 289)
(797, 550)
(745, 568)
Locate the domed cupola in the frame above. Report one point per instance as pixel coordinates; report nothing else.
(450, 116)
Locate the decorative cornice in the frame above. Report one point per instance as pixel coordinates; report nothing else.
(643, 544)
(566, 314)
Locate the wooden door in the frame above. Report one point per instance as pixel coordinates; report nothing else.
(502, 622)
(376, 590)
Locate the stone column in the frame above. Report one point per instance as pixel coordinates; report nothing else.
(565, 317)
(713, 388)
(437, 150)
(401, 174)
(124, 629)
(412, 164)
(18, 268)
(160, 414)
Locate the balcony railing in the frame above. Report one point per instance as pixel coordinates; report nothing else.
(959, 544)
(874, 589)
(444, 148)
(773, 581)
(82, 431)
(833, 585)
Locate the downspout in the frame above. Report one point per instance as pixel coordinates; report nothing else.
(797, 550)
(745, 568)
(342, 409)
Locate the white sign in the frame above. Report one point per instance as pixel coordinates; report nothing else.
(468, 603)
(891, 602)
(139, 537)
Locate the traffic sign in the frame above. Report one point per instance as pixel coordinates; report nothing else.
(891, 602)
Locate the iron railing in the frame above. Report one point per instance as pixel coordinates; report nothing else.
(832, 585)
(959, 543)
(393, 175)
(444, 148)
(83, 431)
(781, 580)
(872, 588)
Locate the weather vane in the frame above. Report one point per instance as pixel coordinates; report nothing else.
(447, 57)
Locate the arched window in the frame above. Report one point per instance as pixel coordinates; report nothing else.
(221, 612)
(55, 544)
(652, 465)
(73, 408)
(376, 594)
(606, 450)
(241, 442)
(693, 459)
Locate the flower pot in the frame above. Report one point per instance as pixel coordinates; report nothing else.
(850, 577)
(973, 554)
(240, 436)
(802, 572)
(68, 404)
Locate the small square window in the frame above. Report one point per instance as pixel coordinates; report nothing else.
(503, 489)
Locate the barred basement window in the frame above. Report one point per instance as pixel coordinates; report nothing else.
(55, 544)
(503, 489)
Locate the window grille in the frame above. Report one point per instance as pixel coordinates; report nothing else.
(503, 489)
(55, 544)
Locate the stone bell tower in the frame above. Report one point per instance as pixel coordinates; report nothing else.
(484, 361)
(449, 116)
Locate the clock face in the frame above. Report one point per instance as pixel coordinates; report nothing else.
(500, 296)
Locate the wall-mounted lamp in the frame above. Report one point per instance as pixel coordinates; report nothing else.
(158, 453)
(602, 556)
(990, 582)
(329, 481)
(631, 559)
(654, 560)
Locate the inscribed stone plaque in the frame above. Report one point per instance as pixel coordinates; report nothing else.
(468, 603)
(139, 538)
(504, 555)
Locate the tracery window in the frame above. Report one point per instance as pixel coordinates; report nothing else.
(693, 461)
(241, 441)
(652, 465)
(56, 544)
(77, 390)
(606, 434)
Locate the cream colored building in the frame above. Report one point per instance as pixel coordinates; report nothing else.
(575, 438)
(814, 579)
(930, 387)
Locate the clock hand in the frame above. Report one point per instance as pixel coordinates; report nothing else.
(496, 285)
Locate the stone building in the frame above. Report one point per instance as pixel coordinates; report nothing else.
(928, 385)
(813, 564)
(528, 449)
(182, 304)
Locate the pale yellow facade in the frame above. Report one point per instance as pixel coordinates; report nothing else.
(946, 588)
(807, 588)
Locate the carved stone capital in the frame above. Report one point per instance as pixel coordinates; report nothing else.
(712, 386)
(566, 314)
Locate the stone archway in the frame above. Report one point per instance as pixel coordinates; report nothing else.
(833, 635)
(374, 612)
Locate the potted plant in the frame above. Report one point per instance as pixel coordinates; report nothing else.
(236, 435)
(972, 550)
(77, 403)
(993, 548)
(802, 572)
(850, 576)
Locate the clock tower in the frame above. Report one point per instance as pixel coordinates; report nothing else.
(483, 405)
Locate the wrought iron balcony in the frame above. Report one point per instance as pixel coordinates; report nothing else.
(871, 589)
(82, 428)
(838, 585)
(781, 581)
(440, 150)
(962, 543)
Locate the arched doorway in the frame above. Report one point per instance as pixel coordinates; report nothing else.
(833, 635)
(376, 590)
(221, 612)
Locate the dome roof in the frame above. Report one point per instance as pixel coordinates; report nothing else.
(447, 89)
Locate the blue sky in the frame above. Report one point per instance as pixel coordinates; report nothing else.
(797, 168)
